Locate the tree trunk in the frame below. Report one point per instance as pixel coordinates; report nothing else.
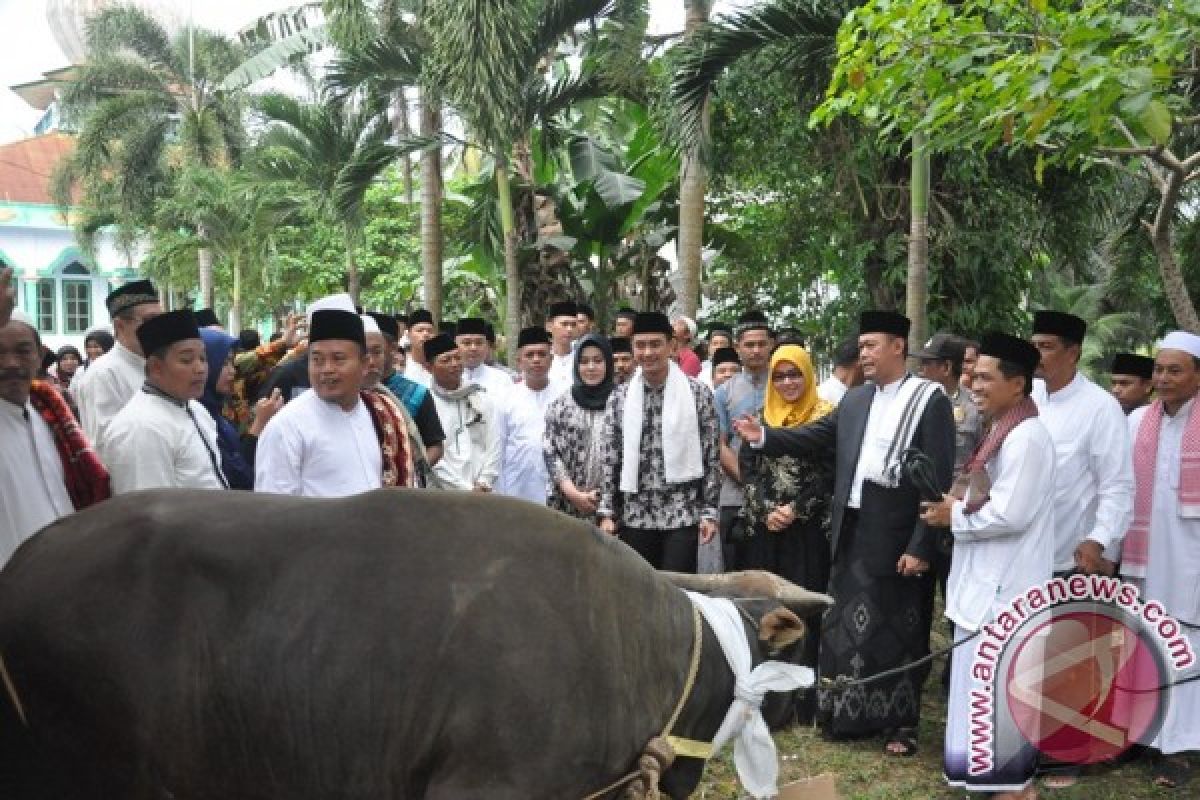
(402, 129)
(352, 280)
(692, 185)
(1164, 247)
(916, 295)
(204, 258)
(431, 208)
(512, 270)
(235, 305)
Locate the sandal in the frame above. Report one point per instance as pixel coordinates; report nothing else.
(1059, 776)
(902, 743)
(1172, 772)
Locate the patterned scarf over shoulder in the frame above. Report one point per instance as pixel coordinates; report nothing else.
(85, 477)
(392, 432)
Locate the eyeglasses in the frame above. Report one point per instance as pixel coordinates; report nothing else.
(784, 377)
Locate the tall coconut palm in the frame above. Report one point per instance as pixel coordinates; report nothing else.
(144, 104)
(329, 152)
(692, 184)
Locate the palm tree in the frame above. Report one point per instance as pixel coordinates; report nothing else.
(807, 30)
(329, 152)
(146, 104)
(383, 49)
(486, 56)
(692, 186)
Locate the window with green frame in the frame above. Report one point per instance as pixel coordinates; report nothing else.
(77, 306)
(45, 305)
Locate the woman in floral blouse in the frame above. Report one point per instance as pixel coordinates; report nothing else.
(572, 436)
(786, 513)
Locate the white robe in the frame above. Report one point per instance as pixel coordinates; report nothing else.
(312, 448)
(1093, 487)
(1000, 551)
(1172, 567)
(32, 489)
(415, 372)
(471, 452)
(105, 387)
(520, 426)
(497, 382)
(562, 369)
(831, 390)
(154, 444)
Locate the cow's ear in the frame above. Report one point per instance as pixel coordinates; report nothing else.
(780, 627)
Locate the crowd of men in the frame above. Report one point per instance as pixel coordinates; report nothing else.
(701, 453)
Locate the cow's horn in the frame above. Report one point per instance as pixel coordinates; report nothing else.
(756, 583)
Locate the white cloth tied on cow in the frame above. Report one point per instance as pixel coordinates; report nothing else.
(753, 750)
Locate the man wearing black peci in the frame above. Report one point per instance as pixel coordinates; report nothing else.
(881, 550)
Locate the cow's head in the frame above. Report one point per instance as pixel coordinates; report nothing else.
(775, 611)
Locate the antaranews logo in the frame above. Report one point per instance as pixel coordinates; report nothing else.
(1077, 668)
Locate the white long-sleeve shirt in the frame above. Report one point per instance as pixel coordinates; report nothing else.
(520, 425)
(497, 382)
(32, 489)
(1093, 484)
(105, 387)
(153, 443)
(1172, 563)
(313, 448)
(1006, 546)
(471, 452)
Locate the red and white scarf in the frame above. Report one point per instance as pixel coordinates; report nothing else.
(1136, 549)
(86, 479)
(974, 475)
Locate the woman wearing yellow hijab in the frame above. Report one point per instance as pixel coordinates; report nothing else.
(786, 512)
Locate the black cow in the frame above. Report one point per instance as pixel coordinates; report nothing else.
(398, 644)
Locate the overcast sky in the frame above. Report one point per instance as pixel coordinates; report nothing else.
(27, 48)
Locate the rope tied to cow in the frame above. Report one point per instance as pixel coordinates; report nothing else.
(659, 752)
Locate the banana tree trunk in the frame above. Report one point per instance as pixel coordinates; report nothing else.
(431, 208)
(352, 279)
(916, 296)
(235, 305)
(693, 183)
(512, 271)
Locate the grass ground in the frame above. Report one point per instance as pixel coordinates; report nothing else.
(863, 772)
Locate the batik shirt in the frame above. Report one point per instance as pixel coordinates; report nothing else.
(571, 443)
(659, 505)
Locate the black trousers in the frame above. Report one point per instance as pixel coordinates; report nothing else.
(673, 549)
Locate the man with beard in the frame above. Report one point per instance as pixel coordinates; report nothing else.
(471, 458)
(163, 437)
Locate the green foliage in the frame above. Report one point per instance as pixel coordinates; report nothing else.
(1071, 77)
